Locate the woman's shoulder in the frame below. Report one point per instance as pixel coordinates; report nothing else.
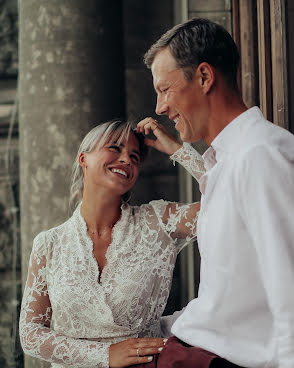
(45, 239)
(150, 213)
(158, 206)
(150, 206)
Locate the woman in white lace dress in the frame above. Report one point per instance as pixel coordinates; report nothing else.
(98, 284)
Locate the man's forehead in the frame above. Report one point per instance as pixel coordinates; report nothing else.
(163, 64)
(163, 61)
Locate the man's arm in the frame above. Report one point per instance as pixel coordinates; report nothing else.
(267, 179)
(166, 323)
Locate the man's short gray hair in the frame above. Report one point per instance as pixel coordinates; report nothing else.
(199, 40)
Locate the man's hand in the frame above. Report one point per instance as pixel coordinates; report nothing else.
(134, 351)
(165, 141)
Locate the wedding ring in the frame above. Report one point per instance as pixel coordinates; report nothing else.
(138, 353)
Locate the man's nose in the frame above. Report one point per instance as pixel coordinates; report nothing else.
(161, 106)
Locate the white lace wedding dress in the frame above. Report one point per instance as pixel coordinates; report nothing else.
(67, 317)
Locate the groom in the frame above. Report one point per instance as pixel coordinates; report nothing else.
(244, 314)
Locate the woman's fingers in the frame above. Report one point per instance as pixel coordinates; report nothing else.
(147, 351)
(134, 351)
(150, 346)
(148, 124)
(165, 141)
(149, 342)
(140, 360)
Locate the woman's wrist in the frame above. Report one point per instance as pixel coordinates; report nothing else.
(175, 148)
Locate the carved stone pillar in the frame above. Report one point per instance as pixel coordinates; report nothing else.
(71, 78)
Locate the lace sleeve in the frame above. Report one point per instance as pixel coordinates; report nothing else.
(178, 220)
(191, 160)
(37, 338)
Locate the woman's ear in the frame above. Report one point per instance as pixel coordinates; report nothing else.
(82, 160)
(206, 76)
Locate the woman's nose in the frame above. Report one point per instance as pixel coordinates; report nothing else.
(125, 158)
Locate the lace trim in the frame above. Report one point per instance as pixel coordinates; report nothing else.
(190, 159)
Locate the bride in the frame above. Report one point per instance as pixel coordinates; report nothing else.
(98, 284)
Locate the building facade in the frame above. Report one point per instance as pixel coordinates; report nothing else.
(68, 66)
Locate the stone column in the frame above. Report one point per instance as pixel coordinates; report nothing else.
(71, 79)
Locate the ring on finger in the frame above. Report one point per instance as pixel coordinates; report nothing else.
(138, 352)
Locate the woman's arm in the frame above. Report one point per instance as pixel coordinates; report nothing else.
(184, 154)
(178, 220)
(190, 159)
(37, 338)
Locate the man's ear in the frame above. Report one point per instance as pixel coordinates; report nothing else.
(82, 160)
(206, 76)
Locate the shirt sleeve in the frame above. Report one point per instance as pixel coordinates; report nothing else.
(166, 323)
(37, 338)
(190, 159)
(266, 181)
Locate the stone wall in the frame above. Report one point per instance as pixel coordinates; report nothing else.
(8, 38)
(10, 270)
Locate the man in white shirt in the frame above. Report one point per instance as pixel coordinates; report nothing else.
(245, 309)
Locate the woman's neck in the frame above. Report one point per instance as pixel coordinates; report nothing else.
(100, 211)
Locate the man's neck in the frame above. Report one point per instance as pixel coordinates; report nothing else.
(224, 110)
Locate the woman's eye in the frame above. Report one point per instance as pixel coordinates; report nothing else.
(116, 148)
(136, 159)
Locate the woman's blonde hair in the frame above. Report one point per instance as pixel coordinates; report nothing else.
(115, 130)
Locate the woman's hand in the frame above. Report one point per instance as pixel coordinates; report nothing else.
(134, 351)
(165, 141)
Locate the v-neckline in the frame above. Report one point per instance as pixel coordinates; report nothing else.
(90, 244)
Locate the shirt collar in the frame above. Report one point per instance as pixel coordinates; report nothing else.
(228, 139)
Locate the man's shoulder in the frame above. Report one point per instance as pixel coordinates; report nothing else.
(263, 136)
(264, 153)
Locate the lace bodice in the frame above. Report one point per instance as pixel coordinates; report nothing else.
(69, 318)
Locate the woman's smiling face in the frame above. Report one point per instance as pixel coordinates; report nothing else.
(114, 166)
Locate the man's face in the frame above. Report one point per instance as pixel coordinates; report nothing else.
(181, 99)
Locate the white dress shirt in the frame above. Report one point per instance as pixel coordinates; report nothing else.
(245, 308)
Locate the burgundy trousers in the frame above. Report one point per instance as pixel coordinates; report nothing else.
(177, 354)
